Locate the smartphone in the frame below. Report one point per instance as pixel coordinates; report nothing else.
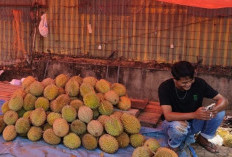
(210, 107)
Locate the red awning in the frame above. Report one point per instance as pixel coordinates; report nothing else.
(210, 4)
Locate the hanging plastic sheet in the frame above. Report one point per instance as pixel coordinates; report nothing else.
(43, 26)
(210, 4)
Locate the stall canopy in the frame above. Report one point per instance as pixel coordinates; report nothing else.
(210, 4)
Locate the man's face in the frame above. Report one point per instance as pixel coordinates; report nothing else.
(184, 83)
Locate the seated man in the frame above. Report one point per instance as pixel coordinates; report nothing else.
(181, 102)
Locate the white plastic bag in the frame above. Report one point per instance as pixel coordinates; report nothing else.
(218, 140)
(15, 82)
(43, 26)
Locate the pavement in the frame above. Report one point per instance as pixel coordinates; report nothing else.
(202, 152)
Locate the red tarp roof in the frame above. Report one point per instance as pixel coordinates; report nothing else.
(210, 4)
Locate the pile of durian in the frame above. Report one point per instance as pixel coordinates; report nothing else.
(74, 111)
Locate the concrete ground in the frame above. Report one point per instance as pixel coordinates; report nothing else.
(223, 151)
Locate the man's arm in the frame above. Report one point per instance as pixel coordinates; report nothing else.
(200, 113)
(221, 104)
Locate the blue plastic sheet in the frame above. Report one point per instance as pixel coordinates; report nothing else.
(22, 147)
(1, 103)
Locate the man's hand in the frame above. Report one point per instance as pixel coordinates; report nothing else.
(212, 109)
(202, 114)
(213, 112)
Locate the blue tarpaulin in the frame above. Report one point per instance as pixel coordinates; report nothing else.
(22, 147)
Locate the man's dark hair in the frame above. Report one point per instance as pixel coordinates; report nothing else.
(182, 69)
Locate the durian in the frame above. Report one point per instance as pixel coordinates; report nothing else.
(69, 113)
(108, 143)
(89, 141)
(102, 86)
(38, 117)
(72, 141)
(137, 140)
(35, 133)
(85, 114)
(61, 80)
(165, 152)
(131, 123)
(113, 126)
(51, 91)
(60, 127)
(9, 133)
(142, 152)
(36, 88)
(78, 127)
(42, 102)
(95, 128)
(123, 140)
(72, 88)
(22, 125)
(50, 137)
(112, 97)
(10, 117)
